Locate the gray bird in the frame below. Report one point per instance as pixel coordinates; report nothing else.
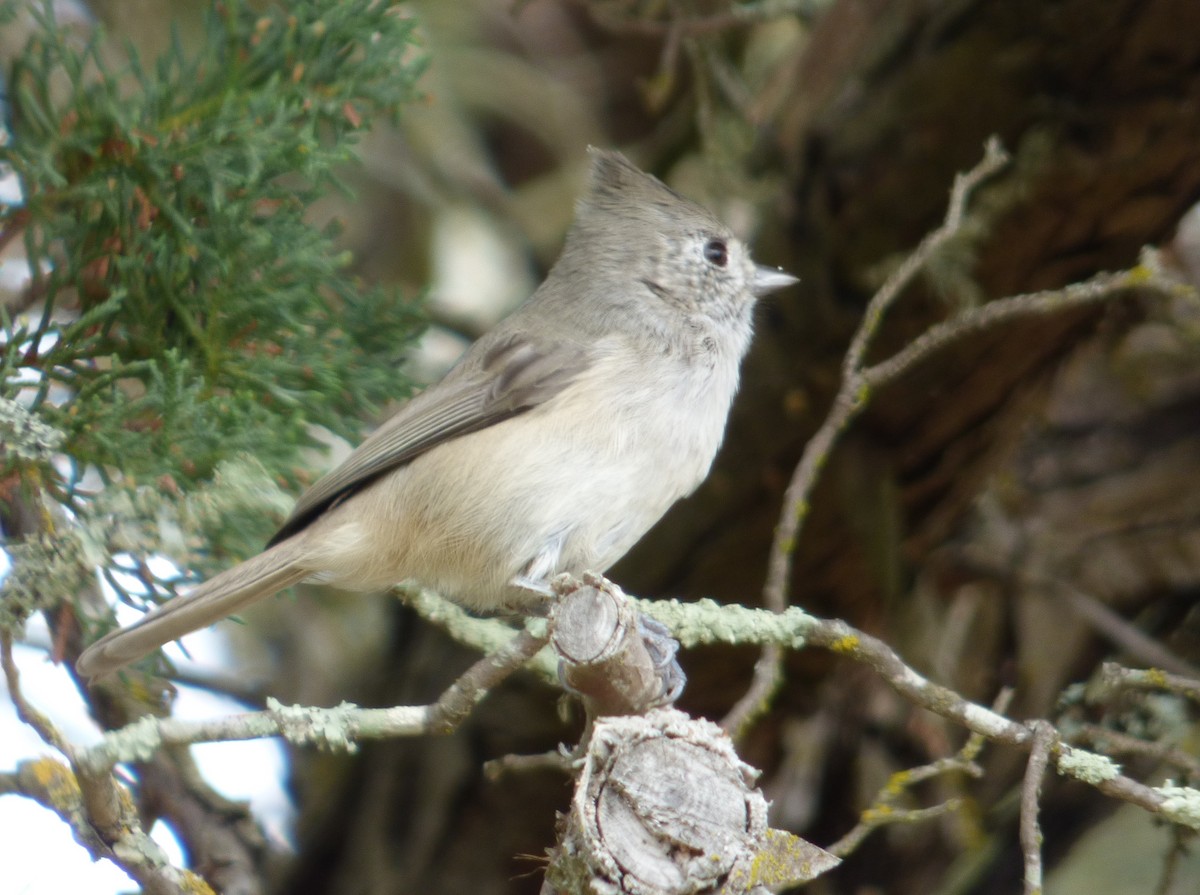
(556, 442)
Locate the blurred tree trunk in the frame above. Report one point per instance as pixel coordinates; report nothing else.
(1100, 103)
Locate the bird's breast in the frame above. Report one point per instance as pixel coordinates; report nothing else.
(586, 474)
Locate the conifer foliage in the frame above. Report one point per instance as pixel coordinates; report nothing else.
(186, 326)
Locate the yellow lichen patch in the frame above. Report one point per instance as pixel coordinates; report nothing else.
(1140, 275)
(194, 884)
(878, 814)
(774, 865)
(1156, 677)
(847, 644)
(56, 780)
(898, 783)
(785, 860)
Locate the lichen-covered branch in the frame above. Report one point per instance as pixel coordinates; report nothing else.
(99, 813)
(106, 808)
(85, 793)
(1114, 678)
(339, 728)
(707, 622)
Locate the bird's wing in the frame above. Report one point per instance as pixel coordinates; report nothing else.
(513, 375)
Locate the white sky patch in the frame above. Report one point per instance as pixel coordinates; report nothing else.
(37, 851)
(10, 185)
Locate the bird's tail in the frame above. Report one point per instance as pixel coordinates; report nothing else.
(220, 596)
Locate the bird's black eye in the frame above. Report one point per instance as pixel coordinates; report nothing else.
(716, 252)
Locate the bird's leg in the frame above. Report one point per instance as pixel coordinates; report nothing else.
(539, 587)
(536, 577)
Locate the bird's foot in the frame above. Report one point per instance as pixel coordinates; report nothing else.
(663, 649)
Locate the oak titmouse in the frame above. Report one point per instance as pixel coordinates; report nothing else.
(557, 441)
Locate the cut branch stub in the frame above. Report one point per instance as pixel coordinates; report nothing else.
(665, 807)
(603, 649)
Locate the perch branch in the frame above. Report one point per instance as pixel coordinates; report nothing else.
(343, 726)
(707, 622)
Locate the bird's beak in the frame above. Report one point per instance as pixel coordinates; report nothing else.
(768, 279)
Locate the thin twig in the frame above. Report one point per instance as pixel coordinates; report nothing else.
(883, 809)
(1114, 677)
(850, 401)
(851, 397)
(462, 696)
(766, 680)
(511, 764)
(340, 727)
(874, 819)
(1114, 742)
(1140, 646)
(41, 725)
(1031, 794)
(1175, 853)
(1097, 289)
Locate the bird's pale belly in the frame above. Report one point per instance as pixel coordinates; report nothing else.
(524, 498)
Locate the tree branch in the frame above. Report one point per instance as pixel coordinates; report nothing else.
(101, 817)
(1031, 792)
(851, 399)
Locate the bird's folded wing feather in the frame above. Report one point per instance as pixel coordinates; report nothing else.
(511, 376)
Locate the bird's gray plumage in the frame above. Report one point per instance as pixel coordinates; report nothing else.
(555, 443)
(513, 375)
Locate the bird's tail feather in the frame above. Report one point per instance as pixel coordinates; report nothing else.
(220, 596)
